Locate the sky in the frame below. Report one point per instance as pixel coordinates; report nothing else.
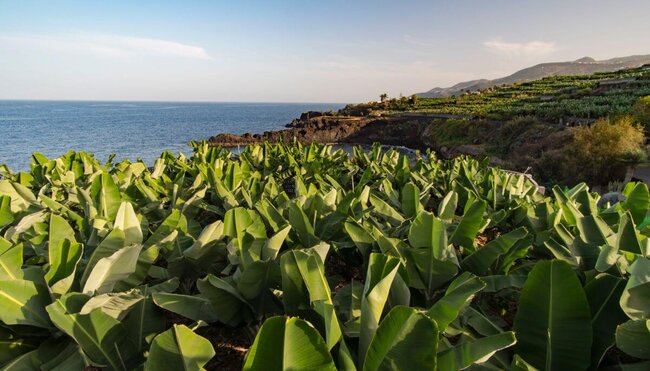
(342, 51)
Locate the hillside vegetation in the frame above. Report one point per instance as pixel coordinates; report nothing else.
(552, 98)
(287, 257)
(540, 125)
(582, 66)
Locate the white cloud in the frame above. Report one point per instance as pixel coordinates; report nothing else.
(513, 49)
(106, 45)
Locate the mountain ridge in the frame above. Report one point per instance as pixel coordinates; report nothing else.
(582, 66)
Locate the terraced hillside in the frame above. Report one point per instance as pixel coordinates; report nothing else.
(588, 97)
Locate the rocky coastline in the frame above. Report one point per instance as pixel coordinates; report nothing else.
(326, 127)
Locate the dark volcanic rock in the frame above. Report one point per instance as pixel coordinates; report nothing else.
(338, 129)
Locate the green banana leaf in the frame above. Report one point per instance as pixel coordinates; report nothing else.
(470, 225)
(411, 205)
(633, 338)
(196, 308)
(553, 321)
(382, 270)
(6, 216)
(288, 344)
(603, 293)
(11, 261)
(480, 261)
(459, 294)
(179, 348)
(59, 230)
(637, 201)
(110, 270)
(635, 299)
(106, 196)
(474, 352)
(60, 276)
(145, 320)
(111, 244)
(406, 339)
(23, 303)
(229, 306)
(102, 338)
(127, 221)
(12, 346)
(116, 305)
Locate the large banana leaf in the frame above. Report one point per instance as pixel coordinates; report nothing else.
(110, 270)
(469, 226)
(406, 339)
(196, 308)
(116, 305)
(459, 293)
(60, 276)
(411, 200)
(603, 293)
(637, 200)
(429, 232)
(102, 338)
(385, 211)
(553, 321)
(229, 306)
(127, 221)
(12, 346)
(431, 262)
(145, 319)
(106, 196)
(382, 270)
(21, 196)
(179, 348)
(302, 226)
(61, 355)
(474, 352)
(481, 260)
(635, 299)
(23, 303)
(239, 221)
(633, 337)
(6, 216)
(111, 244)
(303, 280)
(59, 230)
(11, 261)
(288, 344)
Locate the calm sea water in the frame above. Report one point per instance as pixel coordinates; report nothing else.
(129, 129)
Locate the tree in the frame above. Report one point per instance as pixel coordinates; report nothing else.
(383, 97)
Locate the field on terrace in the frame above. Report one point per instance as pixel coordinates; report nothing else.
(290, 257)
(555, 97)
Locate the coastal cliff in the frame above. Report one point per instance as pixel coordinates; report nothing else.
(327, 128)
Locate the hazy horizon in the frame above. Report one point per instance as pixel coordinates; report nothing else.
(294, 52)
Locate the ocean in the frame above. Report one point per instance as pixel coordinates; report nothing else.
(133, 130)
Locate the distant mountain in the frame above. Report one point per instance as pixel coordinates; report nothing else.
(582, 66)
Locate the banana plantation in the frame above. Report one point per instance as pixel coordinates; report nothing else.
(319, 259)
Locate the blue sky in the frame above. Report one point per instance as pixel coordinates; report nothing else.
(295, 51)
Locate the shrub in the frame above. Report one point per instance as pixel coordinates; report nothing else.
(598, 153)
